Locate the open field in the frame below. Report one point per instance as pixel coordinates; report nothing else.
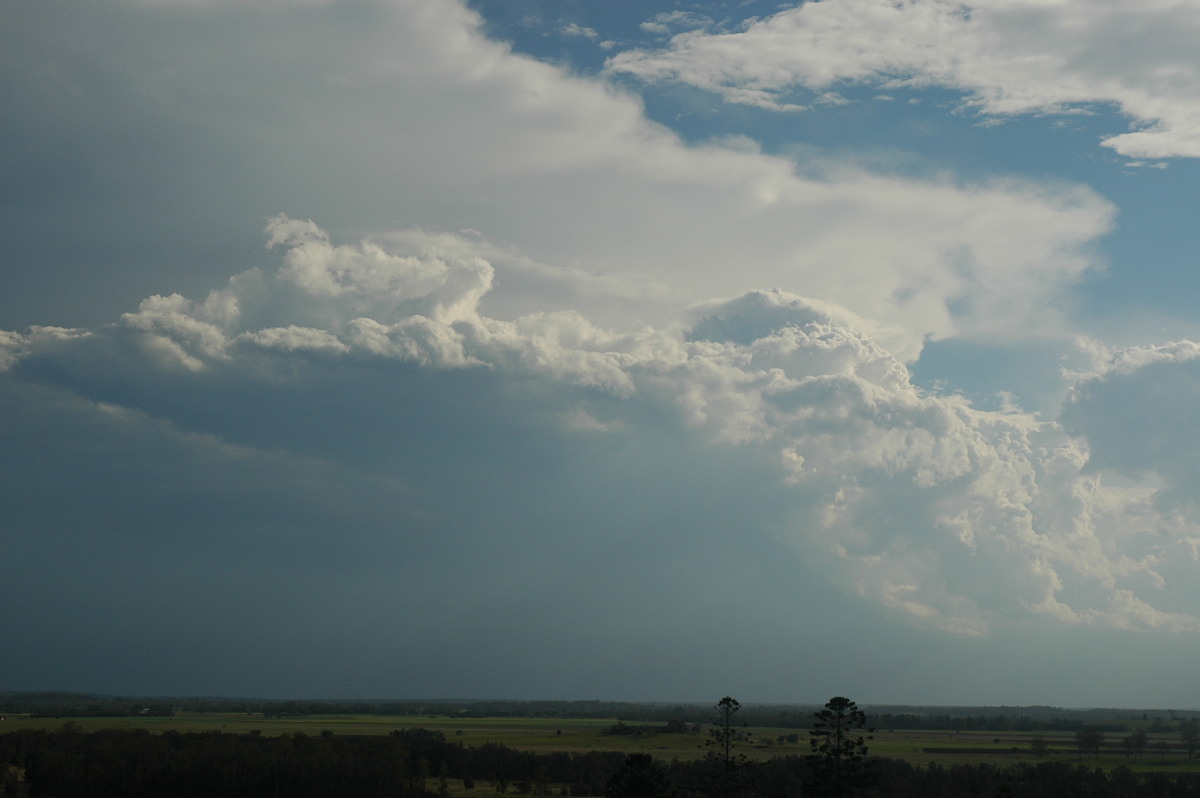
(1003, 748)
(545, 735)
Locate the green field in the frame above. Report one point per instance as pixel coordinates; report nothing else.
(578, 735)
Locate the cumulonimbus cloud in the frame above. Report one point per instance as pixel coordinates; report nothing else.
(952, 517)
(419, 117)
(1008, 56)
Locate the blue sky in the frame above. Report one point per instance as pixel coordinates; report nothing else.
(649, 351)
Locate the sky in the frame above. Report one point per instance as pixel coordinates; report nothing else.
(569, 349)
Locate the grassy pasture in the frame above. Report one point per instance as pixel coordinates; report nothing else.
(541, 735)
(546, 735)
(1001, 748)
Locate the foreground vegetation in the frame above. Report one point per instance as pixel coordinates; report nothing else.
(458, 755)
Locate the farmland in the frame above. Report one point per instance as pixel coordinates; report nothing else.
(97, 747)
(1163, 753)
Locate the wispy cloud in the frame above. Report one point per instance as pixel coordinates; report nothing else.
(1007, 56)
(669, 21)
(575, 29)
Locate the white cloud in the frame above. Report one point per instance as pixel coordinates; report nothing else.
(1138, 409)
(575, 29)
(667, 21)
(368, 281)
(295, 338)
(548, 167)
(12, 346)
(534, 333)
(954, 518)
(1009, 56)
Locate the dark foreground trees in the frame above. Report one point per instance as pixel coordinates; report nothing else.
(640, 777)
(137, 764)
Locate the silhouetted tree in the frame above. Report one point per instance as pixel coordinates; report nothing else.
(1189, 735)
(838, 740)
(1038, 745)
(724, 736)
(1088, 741)
(1135, 743)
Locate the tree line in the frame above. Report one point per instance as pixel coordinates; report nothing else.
(417, 763)
(1031, 719)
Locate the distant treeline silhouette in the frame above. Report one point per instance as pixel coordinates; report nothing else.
(1031, 719)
